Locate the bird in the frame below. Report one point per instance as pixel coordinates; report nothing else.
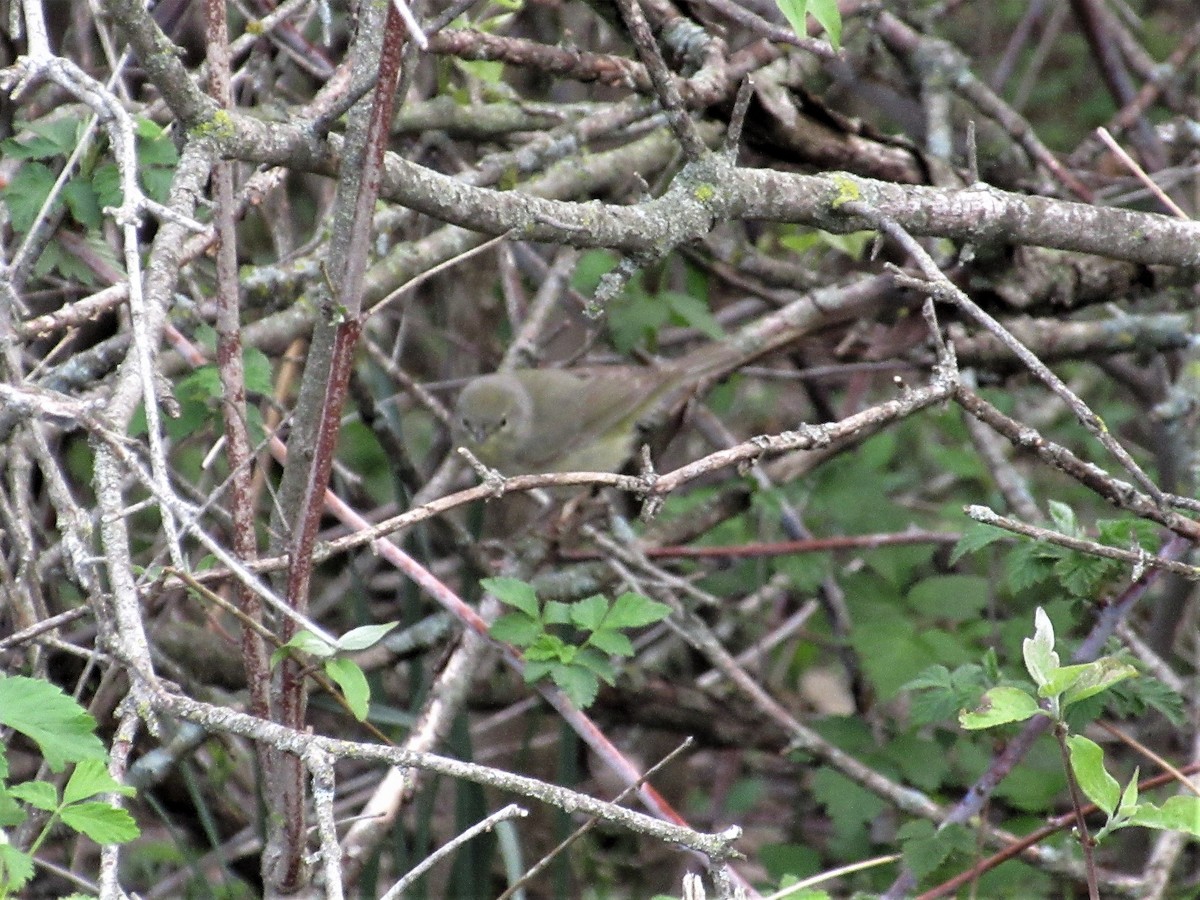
(585, 419)
(531, 421)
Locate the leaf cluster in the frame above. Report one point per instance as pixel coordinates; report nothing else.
(570, 643)
(64, 733)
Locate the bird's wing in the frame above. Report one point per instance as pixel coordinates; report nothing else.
(588, 408)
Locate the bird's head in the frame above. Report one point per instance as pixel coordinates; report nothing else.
(493, 418)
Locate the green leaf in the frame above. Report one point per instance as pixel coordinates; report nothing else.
(635, 318)
(486, 70)
(26, 193)
(941, 693)
(1129, 796)
(579, 684)
(826, 12)
(364, 636)
(156, 182)
(1040, 659)
(16, 868)
(1082, 574)
(1087, 762)
(38, 794)
(597, 663)
(975, 538)
(1063, 518)
(1098, 675)
(551, 647)
(91, 778)
(555, 612)
(156, 152)
(590, 268)
(795, 11)
(80, 198)
(693, 312)
(348, 676)
(60, 727)
(1025, 566)
(50, 139)
(28, 148)
(635, 611)
(1182, 813)
(513, 592)
(926, 848)
(614, 642)
(107, 182)
(999, 706)
(589, 613)
(102, 822)
(1178, 813)
(516, 628)
(11, 812)
(257, 367)
(956, 598)
(307, 642)
(536, 669)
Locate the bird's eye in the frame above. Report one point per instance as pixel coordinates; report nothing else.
(503, 421)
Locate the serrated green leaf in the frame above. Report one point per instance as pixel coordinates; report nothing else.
(614, 642)
(589, 613)
(36, 147)
(60, 727)
(54, 138)
(157, 153)
(11, 812)
(80, 197)
(975, 538)
(516, 628)
(1082, 574)
(579, 684)
(925, 848)
(1087, 762)
(555, 612)
(513, 592)
(91, 778)
(16, 868)
(156, 183)
(551, 647)
(536, 669)
(999, 706)
(26, 193)
(38, 794)
(597, 663)
(1024, 567)
(102, 822)
(348, 676)
(107, 182)
(632, 610)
